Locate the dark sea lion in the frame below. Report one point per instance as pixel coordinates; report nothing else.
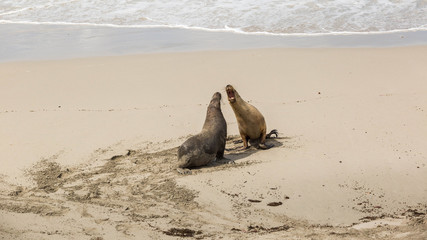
(251, 123)
(209, 144)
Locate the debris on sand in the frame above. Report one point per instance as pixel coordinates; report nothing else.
(130, 152)
(269, 230)
(274, 204)
(182, 232)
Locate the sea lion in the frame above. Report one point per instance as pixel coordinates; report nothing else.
(251, 123)
(209, 144)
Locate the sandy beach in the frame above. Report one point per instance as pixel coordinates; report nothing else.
(88, 146)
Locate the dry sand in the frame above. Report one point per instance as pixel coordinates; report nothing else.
(88, 146)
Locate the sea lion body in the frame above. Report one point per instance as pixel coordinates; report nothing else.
(209, 144)
(251, 122)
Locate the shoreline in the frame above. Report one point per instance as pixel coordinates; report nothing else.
(32, 42)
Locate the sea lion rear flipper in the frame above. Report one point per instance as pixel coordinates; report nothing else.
(274, 131)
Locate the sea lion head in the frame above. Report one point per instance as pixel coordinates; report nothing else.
(216, 100)
(231, 93)
(216, 95)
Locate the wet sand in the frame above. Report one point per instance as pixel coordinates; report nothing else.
(20, 42)
(89, 145)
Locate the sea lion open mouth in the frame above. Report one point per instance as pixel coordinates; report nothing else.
(230, 93)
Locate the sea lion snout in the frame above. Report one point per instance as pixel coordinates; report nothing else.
(217, 95)
(230, 93)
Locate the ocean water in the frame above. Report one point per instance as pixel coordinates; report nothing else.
(269, 17)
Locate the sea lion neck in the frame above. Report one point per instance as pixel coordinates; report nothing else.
(213, 112)
(240, 107)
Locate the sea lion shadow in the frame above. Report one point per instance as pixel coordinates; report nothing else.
(234, 151)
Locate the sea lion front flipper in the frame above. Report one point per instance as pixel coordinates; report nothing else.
(263, 146)
(244, 140)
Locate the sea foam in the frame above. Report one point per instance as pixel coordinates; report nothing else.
(290, 17)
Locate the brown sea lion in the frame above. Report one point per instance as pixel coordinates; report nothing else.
(251, 123)
(209, 144)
